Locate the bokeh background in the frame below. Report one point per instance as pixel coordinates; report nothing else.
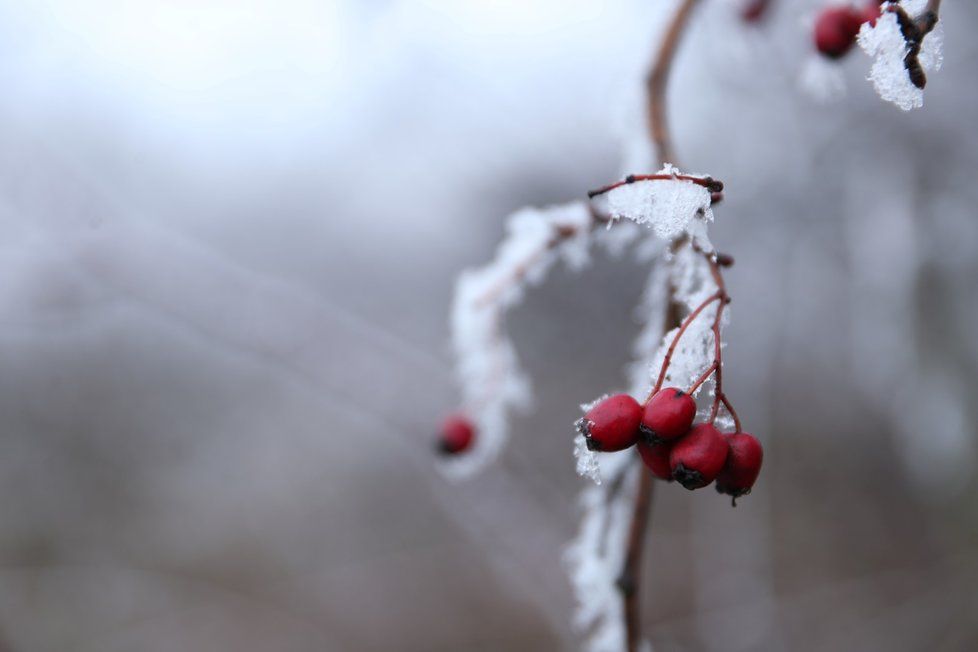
(229, 236)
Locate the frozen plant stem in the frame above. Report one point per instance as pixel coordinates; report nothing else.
(658, 78)
(630, 580)
(914, 32)
(717, 366)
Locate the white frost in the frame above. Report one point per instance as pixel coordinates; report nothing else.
(587, 460)
(596, 555)
(693, 284)
(670, 207)
(488, 368)
(885, 43)
(595, 558)
(822, 80)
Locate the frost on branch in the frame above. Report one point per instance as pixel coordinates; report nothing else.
(670, 207)
(889, 46)
(693, 284)
(596, 556)
(488, 369)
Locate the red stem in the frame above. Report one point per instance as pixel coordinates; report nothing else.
(675, 341)
(709, 183)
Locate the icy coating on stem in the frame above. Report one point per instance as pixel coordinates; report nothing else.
(492, 381)
(886, 43)
(687, 272)
(595, 558)
(669, 207)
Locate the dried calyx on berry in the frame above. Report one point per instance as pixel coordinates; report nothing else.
(697, 458)
(743, 464)
(456, 435)
(668, 415)
(611, 424)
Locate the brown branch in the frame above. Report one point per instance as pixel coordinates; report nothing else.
(914, 31)
(630, 579)
(561, 233)
(658, 78)
(711, 184)
(629, 582)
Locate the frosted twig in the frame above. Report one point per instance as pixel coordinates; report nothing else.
(656, 83)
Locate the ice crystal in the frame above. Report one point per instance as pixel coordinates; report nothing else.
(886, 44)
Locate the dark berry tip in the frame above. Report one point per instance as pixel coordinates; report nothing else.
(443, 448)
(583, 427)
(648, 436)
(731, 491)
(630, 178)
(591, 444)
(626, 585)
(688, 477)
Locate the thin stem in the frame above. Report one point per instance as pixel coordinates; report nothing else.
(732, 411)
(675, 341)
(520, 271)
(702, 379)
(709, 183)
(630, 579)
(657, 80)
(561, 234)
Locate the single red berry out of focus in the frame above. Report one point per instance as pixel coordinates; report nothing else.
(456, 436)
(668, 415)
(698, 458)
(612, 424)
(754, 10)
(742, 466)
(870, 13)
(836, 29)
(656, 458)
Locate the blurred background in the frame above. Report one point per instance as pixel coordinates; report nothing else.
(230, 231)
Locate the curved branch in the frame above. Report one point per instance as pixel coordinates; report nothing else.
(657, 80)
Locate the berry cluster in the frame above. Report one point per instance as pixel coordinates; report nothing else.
(670, 445)
(662, 428)
(836, 27)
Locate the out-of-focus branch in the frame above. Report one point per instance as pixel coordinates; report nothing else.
(630, 580)
(658, 78)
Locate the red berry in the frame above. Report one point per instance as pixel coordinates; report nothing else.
(612, 424)
(656, 458)
(697, 458)
(743, 464)
(456, 436)
(668, 415)
(836, 29)
(870, 13)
